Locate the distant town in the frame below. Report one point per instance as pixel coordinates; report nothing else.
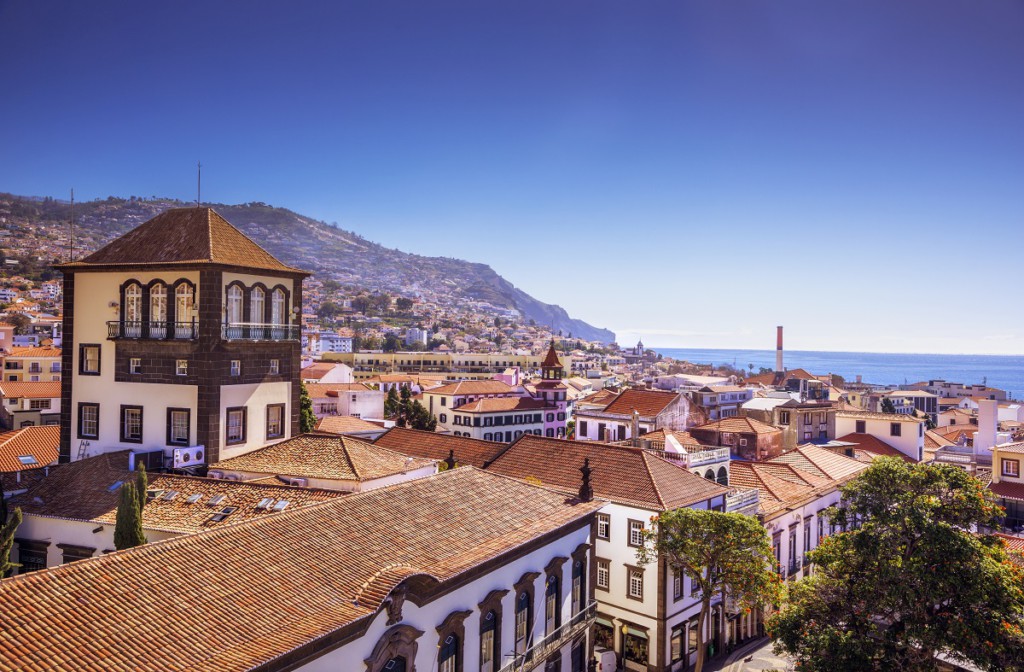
(206, 444)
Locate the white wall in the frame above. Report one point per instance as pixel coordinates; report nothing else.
(467, 597)
(910, 442)
(255, 398)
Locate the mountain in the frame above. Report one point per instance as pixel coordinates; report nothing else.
(329, 252)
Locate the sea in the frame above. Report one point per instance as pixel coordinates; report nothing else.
(1005, 372)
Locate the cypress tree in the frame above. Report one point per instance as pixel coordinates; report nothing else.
(7, 541)
(128, 525)
(141, 485)
(307, 419)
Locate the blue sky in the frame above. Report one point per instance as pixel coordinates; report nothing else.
(692, 172)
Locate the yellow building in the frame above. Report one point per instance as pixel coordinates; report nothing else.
(33, 364)
(455, 366)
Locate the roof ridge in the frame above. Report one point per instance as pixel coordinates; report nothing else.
(654, 481)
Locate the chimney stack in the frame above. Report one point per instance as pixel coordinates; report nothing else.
(586, 491)
(988, 425)
(450, 460)
(778, 351)
(634, 428)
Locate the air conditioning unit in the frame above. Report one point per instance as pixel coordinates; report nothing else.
(192, 456)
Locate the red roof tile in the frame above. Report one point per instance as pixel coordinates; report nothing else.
(244, 595)
(41, 443)
(435, 446)
(740, 425)
(184, 236)
(469, 387)
(872, 444)
(30, 390)
(630, 476)
(1008, 490)
(647, 402)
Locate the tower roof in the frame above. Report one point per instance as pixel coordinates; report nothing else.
(551, 360)
(183, 236)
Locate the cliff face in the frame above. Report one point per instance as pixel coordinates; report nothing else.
(327, 251)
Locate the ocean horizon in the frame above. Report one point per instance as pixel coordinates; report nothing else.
(1005, 372)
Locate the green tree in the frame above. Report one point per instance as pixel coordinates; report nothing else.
(141, 485)
(307, 419)
(21, 323)
(727, 555)
(908, 580)
(391, 343)
(888, 406)
(391, 403)
(329, 310)
(421, 418)
(128, 524)
(403, 304)
(8, 527)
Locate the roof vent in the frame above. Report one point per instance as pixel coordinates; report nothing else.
(27, 459)
(265, 503)
(115, 486)
(281, 505)
(170, 495)
(216, 499)
(192, 499)
(223, 513)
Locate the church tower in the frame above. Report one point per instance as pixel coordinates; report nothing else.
(552, 390)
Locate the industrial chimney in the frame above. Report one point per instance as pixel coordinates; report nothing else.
(778, 351)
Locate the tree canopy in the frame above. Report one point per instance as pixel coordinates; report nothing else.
(307, 419)
(908, 580)
(724, 554)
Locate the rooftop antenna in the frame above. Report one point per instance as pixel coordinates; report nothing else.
(71, 226)
(199, 181)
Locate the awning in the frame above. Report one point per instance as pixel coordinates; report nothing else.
(636, 633)
(603, 621)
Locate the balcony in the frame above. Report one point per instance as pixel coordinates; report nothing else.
(152, 331)
(537, 654)
(252, 331)
(794, 567)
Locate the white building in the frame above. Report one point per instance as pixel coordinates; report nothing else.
(656, 410)
(902, 432)
(505, 589)
(180, 336)
(356, 399)
(646, 615)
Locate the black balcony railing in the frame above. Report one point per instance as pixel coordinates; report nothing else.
(261, 332)
(794, 567)
(156, 331)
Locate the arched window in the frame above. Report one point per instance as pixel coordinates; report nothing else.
(277, 307)
(132, 314)
(524, 621)
(396, 664)
(184, 301)
(234, 305)
(448, 656)
(552, 613)
(710, 474)
(723, 476)
(257, 302)
(489, 653)
(158, 310)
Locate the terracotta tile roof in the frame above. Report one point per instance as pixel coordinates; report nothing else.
(740, 425)
(683, 437)
(647, 402)
(781, 484)
(868, 415)
(1010, 447)
(948, 401)
(934, 440)
(184, 236)
(324, 390)
(34, 351)
(821, 462)
(326, 456)
(242, 596)
(1014, 544)
(30, 390)
(472, 387)
(433, 446)
(41, 443)
(602, 397)
(1008, 490)
(317, 370)
(630, 476)
(872, 444)
(499, 404)
(345, 424)
(405, 378)
(551, 359)
(81, 491)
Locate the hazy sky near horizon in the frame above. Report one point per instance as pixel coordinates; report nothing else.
(692, 172)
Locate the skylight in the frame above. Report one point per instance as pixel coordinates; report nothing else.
(27, 459)
(265, 503)
(216, 499)
(171, 494)
(281, 505)
(115, 486)
(223, 513)
(192, 499)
